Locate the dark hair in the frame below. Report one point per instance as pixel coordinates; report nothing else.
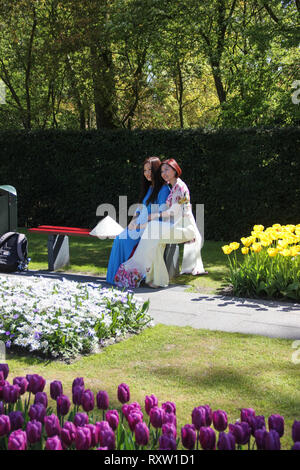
(173, 164)
(157, 180)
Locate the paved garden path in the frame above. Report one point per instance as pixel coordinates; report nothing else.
(174, 306)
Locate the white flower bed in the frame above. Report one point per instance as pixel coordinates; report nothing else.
(64, 318)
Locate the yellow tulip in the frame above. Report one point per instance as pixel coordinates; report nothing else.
(282, 243)
(285, 252)
(245, 250)
(276, 226)
(272, 251)
(266, 241)
(234, 245)
(294, 251)
(226, 249)
(258, 228)
(256, 247)
(245, 241)
(290, 227)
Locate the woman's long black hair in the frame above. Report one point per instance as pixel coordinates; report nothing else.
(157, 180)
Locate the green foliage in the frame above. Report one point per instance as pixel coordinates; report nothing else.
(148, 63)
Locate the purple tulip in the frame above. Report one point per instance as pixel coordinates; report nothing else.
(5, 369)
(68, 433)
(80, 419)
(208, 415)
(102, 448)
(11, 393)
(52, 426)
(16, 420)
(34, 431)
(242, 432)
(199, 417)
(4, 425)
(134, 418)
(188, 436)
(22, 382)
(94, 434)
(3, 384)
(256, 422)
(37, 412)
(88, 400)
(83, 438)
(296, 446)
(107, 438)
(141, 433)
(56, 389)
(271, 440)
(167, 442)
(36, 383)
(150, 402)
(156, 417)
(78, 382)
(62, 405)
(226, 441)
(77, 394)
(17, 440)
(112, 417)
(123, 393)
(53, 443)
(102, 400)
(296, 431)
(246, 414)
(127, 409)
(169, 407)
(41, 397)
(220, 420)
(276, 423)
(207, 438)
(103, 426)
(259, 435)
(170, 418)
(169, 429)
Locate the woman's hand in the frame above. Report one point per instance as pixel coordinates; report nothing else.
(132, 226)
(153, 216)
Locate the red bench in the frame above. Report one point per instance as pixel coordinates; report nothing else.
(58, 243)
(59, 252)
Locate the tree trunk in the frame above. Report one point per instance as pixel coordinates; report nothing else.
(104, 88)
(215, 67)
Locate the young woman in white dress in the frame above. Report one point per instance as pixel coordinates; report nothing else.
(176, 224)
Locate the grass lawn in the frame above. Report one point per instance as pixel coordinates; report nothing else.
(90, 256)
(190, 367)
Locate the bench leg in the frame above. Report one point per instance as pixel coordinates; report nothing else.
(171, 257)
(58, 251)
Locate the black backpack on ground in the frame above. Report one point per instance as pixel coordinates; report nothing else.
(13, 252)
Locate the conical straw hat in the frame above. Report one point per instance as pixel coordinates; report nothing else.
(107, 228)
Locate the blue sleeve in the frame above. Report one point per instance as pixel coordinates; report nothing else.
(163, 194)
(162, 197)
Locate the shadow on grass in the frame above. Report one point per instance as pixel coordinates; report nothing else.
(233, 381)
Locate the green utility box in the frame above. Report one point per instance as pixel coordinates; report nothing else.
(8, 209)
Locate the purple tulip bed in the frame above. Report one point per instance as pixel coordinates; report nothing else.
(28, 423)
(63, 319)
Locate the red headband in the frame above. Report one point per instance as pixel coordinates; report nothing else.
(173, 164)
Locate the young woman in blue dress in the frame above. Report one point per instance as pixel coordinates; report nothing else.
(175, 224)
(153, 195)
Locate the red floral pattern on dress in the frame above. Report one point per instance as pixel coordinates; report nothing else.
(128, 278)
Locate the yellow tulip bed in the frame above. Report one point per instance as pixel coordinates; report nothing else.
(271, 264)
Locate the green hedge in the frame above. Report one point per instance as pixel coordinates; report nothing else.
(243, 176)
